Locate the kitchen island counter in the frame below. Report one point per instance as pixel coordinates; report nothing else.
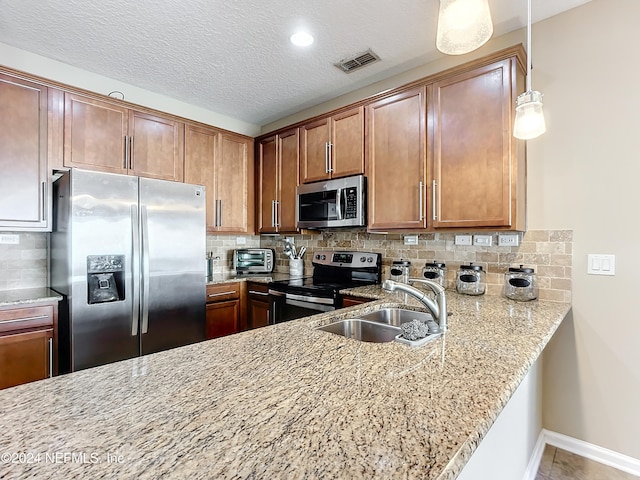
(284, 402)
(26, 296)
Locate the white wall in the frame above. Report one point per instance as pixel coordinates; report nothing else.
(583, 175)
(60, 72)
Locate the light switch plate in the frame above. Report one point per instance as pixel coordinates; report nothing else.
(598, 264)
(483, 240)
(464, 240)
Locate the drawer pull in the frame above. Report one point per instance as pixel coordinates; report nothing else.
(220, 294)
(25, 319)
(253, 292)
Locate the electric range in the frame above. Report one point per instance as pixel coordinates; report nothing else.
(332, 271)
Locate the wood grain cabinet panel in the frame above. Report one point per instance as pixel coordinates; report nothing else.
(223, 309)
(396, 161)
(25, 203)
(333, 147)
(110, 137)
(28, 343)
(222, 162)
(257, 305)
(278, 166)
(477, 173)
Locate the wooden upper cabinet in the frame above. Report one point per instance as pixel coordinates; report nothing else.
(220, 161)
(95, 134)
(109, 137)
(156, 146)
(24, 183)
(234, 184)
(477, 173)
(396, 161)
(333, 147)
(278, 163)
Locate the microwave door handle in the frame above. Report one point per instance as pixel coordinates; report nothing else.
(339, 193)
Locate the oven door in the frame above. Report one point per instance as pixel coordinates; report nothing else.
(288, 306)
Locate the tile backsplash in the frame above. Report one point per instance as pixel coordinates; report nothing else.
(25, 265)
(549, 252)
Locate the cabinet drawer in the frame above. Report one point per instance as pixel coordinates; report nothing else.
(223, 291)
(260, 291)
(26, 318)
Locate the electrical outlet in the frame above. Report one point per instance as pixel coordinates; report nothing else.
(10, 239)
(464, 240)
(508, 240)
(601, 264)
(411, 239)
(241, 240)
(483, 240)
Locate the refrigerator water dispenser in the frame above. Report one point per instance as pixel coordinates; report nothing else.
(105, 278)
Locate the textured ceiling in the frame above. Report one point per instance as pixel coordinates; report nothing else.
(233, 56)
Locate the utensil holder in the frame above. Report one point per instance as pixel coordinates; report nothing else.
(296, 267)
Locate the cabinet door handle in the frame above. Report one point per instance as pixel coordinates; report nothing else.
(220, 294)
(273, 214)
(254, 292)
(277, 203)
(131, 153)
(44, 201)
(330, 148)
(433, 200)
(326, 157)
(220, 213)
(126, 152)
(25, 319)
(50, 357)
(420, 200)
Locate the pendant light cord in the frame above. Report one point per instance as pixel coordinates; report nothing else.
(528, 45)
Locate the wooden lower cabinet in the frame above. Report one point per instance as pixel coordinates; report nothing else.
(257, 305)
(223, 309)
(350, 301)
(27, 344)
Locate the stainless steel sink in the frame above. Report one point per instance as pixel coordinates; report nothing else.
(363, 330)
(396, 316)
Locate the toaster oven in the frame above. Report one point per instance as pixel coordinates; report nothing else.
(253, 260)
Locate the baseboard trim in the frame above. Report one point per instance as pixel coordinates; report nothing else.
(588, 450)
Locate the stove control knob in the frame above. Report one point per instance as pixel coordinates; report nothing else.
(370, 259)
(363, 259)
(324, 257)
(317, 257)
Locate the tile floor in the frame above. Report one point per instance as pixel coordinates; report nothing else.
(558, 464)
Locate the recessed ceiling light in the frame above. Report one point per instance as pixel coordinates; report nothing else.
(301, 39)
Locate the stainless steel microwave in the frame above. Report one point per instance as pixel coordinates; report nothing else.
(334, 203)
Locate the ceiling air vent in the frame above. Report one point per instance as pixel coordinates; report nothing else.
(348, 65)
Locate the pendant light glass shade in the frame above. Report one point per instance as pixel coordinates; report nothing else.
(529, 122)
(463, 26)
(529, 116)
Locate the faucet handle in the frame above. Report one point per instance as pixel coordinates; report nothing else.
(436, 287)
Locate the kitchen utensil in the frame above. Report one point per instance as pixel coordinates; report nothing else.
(301, 252)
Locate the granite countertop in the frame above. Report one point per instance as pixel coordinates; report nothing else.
(284, 402)
(246, 277)
(25, 296)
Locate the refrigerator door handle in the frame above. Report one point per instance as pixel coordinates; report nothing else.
(135, 270)
(144, 226)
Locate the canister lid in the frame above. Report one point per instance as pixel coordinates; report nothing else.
(521, 269)
(403, 263)
(435, 264)
(471, 266)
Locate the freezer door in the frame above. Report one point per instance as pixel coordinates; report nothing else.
(100, 246)
(173, 236)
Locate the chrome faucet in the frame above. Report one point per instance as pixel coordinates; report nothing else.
(438, 308)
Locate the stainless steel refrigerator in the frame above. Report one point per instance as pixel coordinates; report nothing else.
(128, 255)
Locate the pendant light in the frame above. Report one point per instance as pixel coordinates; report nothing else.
(529, 121)
(463, 26)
